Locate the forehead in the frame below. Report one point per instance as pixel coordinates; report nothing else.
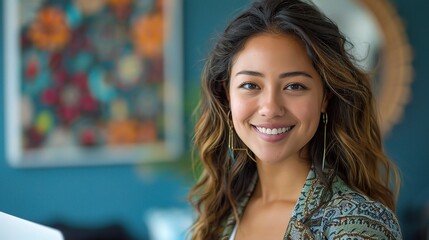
(271, 50)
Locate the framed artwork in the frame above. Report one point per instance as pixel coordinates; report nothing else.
(92, 82)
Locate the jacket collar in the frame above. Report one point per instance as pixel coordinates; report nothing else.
(309, 201)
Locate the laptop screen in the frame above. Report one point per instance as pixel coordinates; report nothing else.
(12, 227)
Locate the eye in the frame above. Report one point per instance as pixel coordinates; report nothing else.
(295, 86)
(249, 86)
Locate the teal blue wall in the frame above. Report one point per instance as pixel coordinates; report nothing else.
(408, 143)
(93, 196)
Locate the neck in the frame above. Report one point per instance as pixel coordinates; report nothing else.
(281, 181)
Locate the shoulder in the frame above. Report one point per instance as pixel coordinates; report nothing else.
(352, 214)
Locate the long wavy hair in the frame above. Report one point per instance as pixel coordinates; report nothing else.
(354, 146)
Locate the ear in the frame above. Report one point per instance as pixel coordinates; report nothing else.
(325, 101)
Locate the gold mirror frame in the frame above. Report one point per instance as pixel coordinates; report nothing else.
(396, 69)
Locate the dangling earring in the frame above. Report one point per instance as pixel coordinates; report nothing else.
(325, 122)
(230, 140)
(231, 148)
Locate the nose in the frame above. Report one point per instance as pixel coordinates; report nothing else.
(271, 104)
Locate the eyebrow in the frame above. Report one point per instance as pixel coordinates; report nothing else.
(283, 75)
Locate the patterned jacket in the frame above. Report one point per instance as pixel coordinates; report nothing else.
(347, 215)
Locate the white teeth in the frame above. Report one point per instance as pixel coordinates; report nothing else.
(273, 131)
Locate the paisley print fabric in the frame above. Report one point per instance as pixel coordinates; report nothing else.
(347, 214)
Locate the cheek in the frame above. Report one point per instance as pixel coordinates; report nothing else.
(308, 113)
(241, 110)
(238, 111)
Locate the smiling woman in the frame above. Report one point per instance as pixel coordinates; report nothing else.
(274, 85)
(304, 158)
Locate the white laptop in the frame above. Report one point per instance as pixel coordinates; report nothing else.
(13, 228)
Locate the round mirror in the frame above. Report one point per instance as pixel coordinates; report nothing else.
(381, 48)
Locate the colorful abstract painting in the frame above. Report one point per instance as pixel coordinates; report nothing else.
(92, 82)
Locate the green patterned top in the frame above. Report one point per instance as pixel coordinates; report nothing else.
(347, 215)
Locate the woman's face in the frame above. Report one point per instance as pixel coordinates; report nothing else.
(276, 96)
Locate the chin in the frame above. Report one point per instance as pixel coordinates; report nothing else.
(271, 159)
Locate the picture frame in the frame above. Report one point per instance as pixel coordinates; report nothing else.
(92, 82)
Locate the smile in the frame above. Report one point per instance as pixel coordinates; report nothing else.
(274, 131)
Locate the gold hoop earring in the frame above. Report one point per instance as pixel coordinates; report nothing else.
(325, 122)
(231, 148)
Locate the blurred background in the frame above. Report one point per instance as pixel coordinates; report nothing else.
(148, 200)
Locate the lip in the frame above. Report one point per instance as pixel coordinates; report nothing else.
(273, 137)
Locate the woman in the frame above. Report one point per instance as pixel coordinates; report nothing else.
(288, 136)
